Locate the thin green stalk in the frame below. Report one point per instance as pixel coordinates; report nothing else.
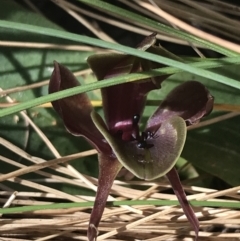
(235, 205)
(116, 80)
(121, 48)
(124, 14)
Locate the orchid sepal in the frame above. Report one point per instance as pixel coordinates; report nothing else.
(75, 110)
(109, 167)
(174, 179)
(190, 100)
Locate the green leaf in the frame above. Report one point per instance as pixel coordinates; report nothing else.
(215, 149)
(114, 81)
(96, 42)
(11, 10)
(24, 66)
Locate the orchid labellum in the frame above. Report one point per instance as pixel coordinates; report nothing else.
(149, 154)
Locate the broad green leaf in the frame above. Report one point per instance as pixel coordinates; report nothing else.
(215, 149)
(24, 66)
(12, 11)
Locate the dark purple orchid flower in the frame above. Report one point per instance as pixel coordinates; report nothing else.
(149, 154)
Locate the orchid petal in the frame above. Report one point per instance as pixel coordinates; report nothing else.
(109, 167)
(132, 95)
(190, 100)
(75, 110)
(149, 163)
(119, 64)
(179, 192)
